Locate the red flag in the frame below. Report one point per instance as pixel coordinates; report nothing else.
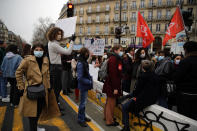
(143, 31)
(176, 25)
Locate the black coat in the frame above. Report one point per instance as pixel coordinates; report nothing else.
(185, 76)
(147, 90)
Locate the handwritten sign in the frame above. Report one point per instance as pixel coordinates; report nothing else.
(96, 46)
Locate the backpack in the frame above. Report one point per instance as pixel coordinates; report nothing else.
(103, 70)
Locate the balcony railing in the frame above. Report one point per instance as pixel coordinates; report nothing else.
(158, 18)
(101, 10)
(142, 6)
(133, 7)
(133, 19)
(122, 20)
(191, 2)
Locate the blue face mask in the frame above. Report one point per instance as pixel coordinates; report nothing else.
(38, 54)
(156, 57)
(120, 53)
(160, 58)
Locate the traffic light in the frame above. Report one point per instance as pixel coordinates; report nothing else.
(187, 17)
(70, 10)
(118, 32)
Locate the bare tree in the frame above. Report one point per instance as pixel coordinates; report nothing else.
(41, 28)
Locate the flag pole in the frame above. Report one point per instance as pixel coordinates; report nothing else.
(183, 24)
(136, 30)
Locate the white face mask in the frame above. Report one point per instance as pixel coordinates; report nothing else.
(143, 55)
(59, 37)
(177, 62)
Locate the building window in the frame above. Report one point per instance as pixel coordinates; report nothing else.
(134, 6)
(117, 6)
(89, 19)
(159, 2)
(158, 27)
(132, 40)
(89, 9)
(97, 18)
(116, 17)
(81, 20)
(80, 30)
(89, 30)
(166, 27)
(81, 10)
(168, 14)
(150, 15)
(159, 14)
(98, 8)
(107, 18)
(142, 4)
(125, 5)
(133, 28)
(75, 1)
(81, 1)
(134, 15)
(97, 29)
(140, 41)
(124, 16)
(150, 27)
(169, 2)
(150, 3)
(106, 40)
(107, 7)
(80, 40)
(106, 29)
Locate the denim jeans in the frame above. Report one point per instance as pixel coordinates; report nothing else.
(83, 101)
(125, 112)
(3, 87)
(162, 101)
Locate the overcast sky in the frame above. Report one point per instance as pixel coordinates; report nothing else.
(20, 16)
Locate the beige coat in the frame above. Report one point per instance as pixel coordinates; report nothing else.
(30, 69)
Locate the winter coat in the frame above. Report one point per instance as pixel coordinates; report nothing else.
(185, 76)
(113, 80)
(2, 54)
(127, 67)
(146, 91)
(85, 82)
(30, 69)
(10, 64)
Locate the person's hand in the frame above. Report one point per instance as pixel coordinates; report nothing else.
(115, 92)
(73, 37)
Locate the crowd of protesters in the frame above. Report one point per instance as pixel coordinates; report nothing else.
(148, 78)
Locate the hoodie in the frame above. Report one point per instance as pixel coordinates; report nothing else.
(10, 63)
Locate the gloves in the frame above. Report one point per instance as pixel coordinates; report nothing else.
(73, 37)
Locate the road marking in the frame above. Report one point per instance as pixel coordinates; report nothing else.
(2, 115)
(18, 124)
(57, 122)
(91, 124)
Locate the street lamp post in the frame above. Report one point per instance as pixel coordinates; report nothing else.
(120, 20)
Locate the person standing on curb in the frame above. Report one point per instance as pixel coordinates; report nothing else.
(55, 35)
(112, 85)
(85, 83)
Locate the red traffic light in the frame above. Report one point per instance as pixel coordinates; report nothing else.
(70, 5)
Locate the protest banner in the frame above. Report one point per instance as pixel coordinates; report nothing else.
(96, 46)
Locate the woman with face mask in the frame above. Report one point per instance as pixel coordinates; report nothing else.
(141, 54)
(55, 36)
(35, 68)
(112, 85)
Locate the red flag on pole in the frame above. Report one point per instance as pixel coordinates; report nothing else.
(176, 25)
(144, 31)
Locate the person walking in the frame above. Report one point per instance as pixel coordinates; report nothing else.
(35, 68)
(3, 81)
(112, 84)
(85, 83)
(9, 65)
(185, 77)
(55, 36)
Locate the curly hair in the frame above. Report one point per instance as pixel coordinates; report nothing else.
(53, 32)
